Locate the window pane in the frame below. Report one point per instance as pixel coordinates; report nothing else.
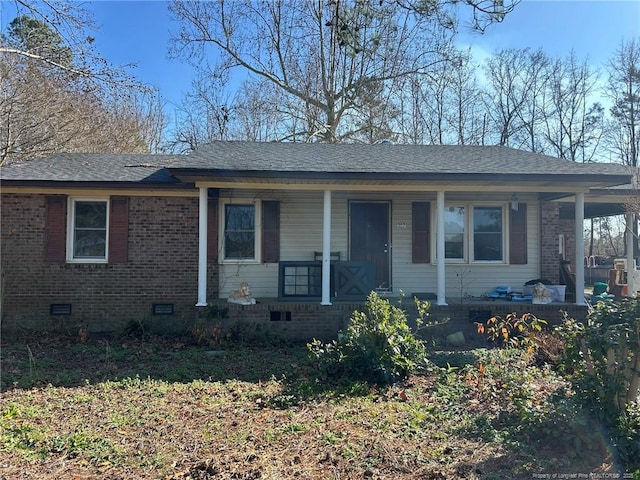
(239, 217)
(89, 244)
(454, 232)
(302, 280)
(91, 215)
(487, 219)
(239, 234)
(487, 233)
(239, 245)
(90, 230)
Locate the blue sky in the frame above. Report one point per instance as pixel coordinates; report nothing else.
(592, 28)
(138, 32)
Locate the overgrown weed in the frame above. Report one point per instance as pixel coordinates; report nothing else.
(462, 413)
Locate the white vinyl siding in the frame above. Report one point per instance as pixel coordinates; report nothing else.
(472, 279)
(301, 235)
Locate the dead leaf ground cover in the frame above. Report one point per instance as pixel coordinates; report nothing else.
(122, 408)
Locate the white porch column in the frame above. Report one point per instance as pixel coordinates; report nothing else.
(326, 249)
(632, 284)
(628, 236)
(579, 248)
(202, 247)
(442, 299)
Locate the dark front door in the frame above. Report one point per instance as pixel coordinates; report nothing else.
(369, 239)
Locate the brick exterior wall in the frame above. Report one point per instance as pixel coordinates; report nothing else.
(567, 227)
(162, 267)
(464, 318)
(549, 232)
(291, 320)
(314, 320)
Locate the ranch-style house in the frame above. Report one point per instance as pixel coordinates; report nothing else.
(95, 241)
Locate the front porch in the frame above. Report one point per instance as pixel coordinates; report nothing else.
(303, 321)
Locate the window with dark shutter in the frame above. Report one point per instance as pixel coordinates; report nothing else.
(119, 230)
(420, 246)
(270, 231)
(55, 228)
(88, 232)
(518, 235)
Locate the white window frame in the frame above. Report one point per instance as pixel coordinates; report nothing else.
(257, 224)
(71, 222)
(469, 236)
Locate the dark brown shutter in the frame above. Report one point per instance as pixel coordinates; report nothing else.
(212, 230)
(270, 232)
(421, 245)
(119, 230)
(55, 228)
(518, 235)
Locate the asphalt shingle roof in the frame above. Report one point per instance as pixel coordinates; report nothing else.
(301, 158)
(86, 167)
(383, 158)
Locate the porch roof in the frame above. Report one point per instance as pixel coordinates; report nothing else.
(605, 202)
(238, 161)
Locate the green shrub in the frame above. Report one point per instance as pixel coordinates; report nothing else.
(627, 439)
(612, 349)
(512, 331)
(571, 333)
(378, 345)
(603, 360)
(604, 355)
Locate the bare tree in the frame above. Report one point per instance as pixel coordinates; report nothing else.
(130, 120)
(513, 77)
(432, 103)
(483, 12)
(573, 127)
(376, 114)
(466, 115)
(73, 28)
(411, 124)
(326, 57)
(339, 69)
(41, 114)
(623, 88)
(531, 114)
(204, 115)
(52, 101)
(606, 237)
